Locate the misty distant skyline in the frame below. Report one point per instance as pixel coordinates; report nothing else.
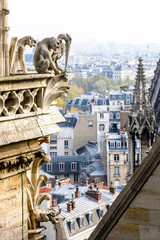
(101, 21)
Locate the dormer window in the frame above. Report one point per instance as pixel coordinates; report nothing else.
(118, 144)
(80, 221)
(61, 166)
(71, 225)
(73, 166)
(49, 167)
(112, 145)
(100, 212)
(89, 216)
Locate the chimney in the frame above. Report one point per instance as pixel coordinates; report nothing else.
(112, 189)
(48, 184)
(99, 184)
(53, 203)
(77, 192)
(85, 182)
(64, 181)
(91, 187)
(94, 194)
(73, 202)
(69, 206)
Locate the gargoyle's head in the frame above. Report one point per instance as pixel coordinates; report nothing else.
(31, 41)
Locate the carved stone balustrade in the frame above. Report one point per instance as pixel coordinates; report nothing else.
(25, 106)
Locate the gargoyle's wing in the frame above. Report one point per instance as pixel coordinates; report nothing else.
(13, 52)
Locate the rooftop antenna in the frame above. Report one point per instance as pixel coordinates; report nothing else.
(4, 53)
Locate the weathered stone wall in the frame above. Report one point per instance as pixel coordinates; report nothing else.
(11, 190)
(142, 219)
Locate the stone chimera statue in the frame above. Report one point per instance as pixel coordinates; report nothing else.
(17, 52)
(48, 51)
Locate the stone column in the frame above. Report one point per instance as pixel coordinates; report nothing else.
(4, 53)
(133, 154)
(130, 156)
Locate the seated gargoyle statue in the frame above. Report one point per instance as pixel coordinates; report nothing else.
(17, 52)
(48, 51)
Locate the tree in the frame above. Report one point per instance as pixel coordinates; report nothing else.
(61, 103)
(74, 91)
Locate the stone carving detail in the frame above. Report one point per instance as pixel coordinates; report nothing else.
(17, 52)
(20, 101)
(34, 99)
(15, 164)
(35, 180)
(48, 51)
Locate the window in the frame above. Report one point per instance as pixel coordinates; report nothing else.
(113, 103)
(128, 102)
(116, 157)
(111, 115)
(118, 144)
(127, 157)
(119, 97)
(65, 143)
(100, 212)
(118, 115)
(116, 171)
(112, 144)
(80, 221)
(53, 136)
(101, 127)
(89, 217)
(137, 158)
(71, 225)
(127, 96)
(90, 123)
(75, 177)
(66, 175)
(53, 153)
(61, 166)
(116, 183)
(101, 115)
(65, 153)
(53, 147)
(53, 141)
(49, 167)
(74, 166)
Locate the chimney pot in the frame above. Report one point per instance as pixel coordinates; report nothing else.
(77, 192)
(69, 206)
(112, 190)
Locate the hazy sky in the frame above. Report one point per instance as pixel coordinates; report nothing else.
(133, 21)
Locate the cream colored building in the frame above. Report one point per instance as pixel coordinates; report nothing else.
(85, 131)
(115, 158)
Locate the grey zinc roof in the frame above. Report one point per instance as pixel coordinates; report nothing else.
(86, 204)
(70, 122)
(96, 169)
